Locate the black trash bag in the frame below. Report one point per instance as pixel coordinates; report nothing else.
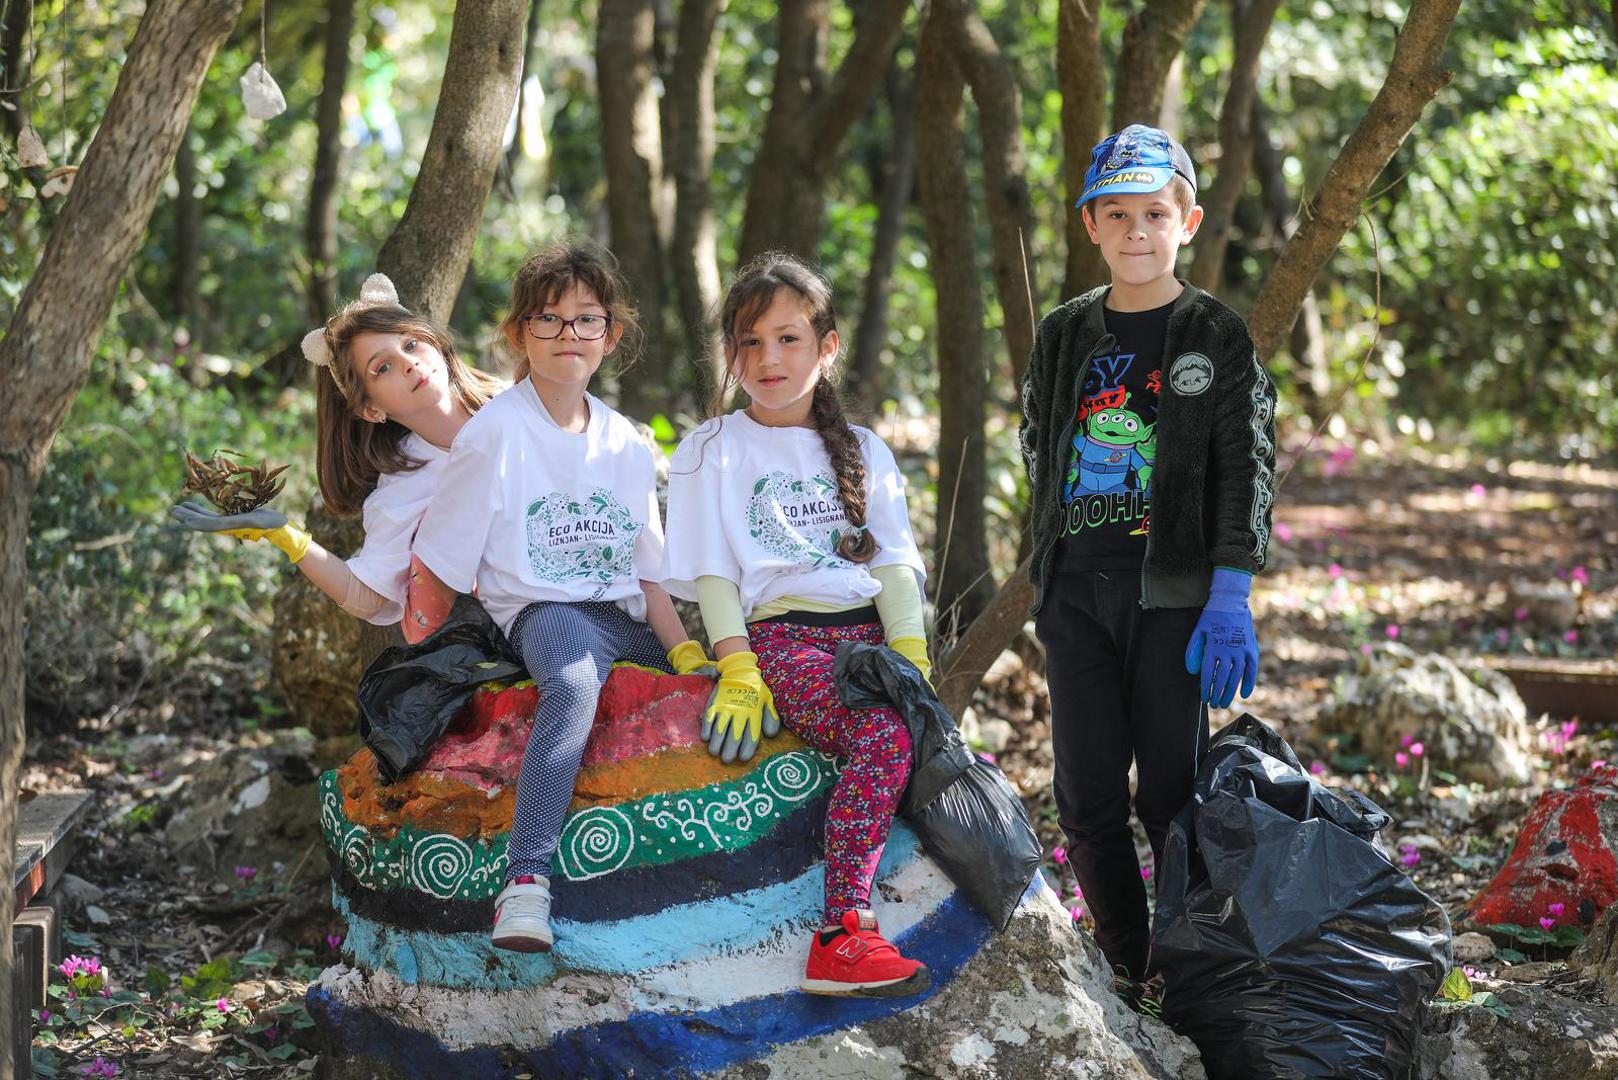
(410, 694)
(968, 817)
(1289, 944)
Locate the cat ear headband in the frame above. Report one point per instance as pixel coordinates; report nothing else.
(376, 292)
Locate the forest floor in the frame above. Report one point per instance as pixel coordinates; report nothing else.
(207, 964)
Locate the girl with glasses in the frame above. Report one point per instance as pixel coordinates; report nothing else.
(549, 505)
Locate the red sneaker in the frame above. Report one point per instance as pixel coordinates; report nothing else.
(857, 961)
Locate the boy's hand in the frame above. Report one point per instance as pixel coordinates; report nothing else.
(260, 524)
(1223, 647)
(740, 709)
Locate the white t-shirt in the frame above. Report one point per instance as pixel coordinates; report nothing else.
(759, 506)
(531, 512)
(391, 514)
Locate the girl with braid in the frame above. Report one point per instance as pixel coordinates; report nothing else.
(788, 526)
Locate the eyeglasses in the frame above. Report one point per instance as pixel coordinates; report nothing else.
(585, 327)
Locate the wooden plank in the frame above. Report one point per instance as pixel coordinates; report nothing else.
(1585, 689)
(45, 824)
(22, 1019)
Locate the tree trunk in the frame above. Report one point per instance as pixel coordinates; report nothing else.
(187, 252)
(14, 73)
(964, 665)
(1153, 38)
(898, 183)
(1005, 174)
(1081, 76)
(427, 253)
(320, 226)
(808, 121)
(963, 583)
(632, 151)
(45, 354)
(693, 252)
(1251, 20)
(1414, 78)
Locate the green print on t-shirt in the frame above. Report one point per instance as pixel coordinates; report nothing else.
(572, 539)
(798, 521)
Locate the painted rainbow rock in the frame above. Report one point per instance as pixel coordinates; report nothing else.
(683, 896)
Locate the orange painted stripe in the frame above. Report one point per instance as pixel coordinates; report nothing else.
(673, 770)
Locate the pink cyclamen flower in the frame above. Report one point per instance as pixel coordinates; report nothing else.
(1471, 972)
(1406, 740)
(1581, 575)
(1392, 631)
(247, 873)
(1556, 908)
(1408, 855)
(1417, 749)
(1599, 763)
(1059, 855)
(1317, 768)
(1546, 922)
(1501, 637)
(1077, 911)
(987, 757)
(44, 1016)
(79, 965)
(100, 1067)
(1146, 873)
(334, 941)
(1283, 532)
(1569, 728)
(1571, 637)
(1334, 571)
(1366, 648)
(1477, 491)
(223, 1005)
(1401, 759)
(1521, 614)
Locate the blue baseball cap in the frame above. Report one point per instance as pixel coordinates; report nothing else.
(1136, 160)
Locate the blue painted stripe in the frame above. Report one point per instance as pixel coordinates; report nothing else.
(664, 1044)
(731, 923)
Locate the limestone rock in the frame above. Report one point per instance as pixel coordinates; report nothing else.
(1597, 956)
(255, 804)
(1473, 948)
(1551, 607)
(1545, 1037)
(1471, 721)
(318, 650)
(684, 894)
(1564, 856)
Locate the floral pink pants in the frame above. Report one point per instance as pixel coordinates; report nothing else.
(797, 665)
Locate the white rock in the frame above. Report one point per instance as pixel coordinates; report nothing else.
(97, 916)
(1473, 948)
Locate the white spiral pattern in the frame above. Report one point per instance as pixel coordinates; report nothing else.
(792, 777)
(438, 862)
(357, 854)
(596, 841)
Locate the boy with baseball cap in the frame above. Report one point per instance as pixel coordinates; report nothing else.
(1148, 433)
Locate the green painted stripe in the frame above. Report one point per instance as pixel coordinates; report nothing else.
(596, 840)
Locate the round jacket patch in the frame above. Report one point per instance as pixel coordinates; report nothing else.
(1191, 374)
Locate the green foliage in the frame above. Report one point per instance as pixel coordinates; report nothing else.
(119, 595)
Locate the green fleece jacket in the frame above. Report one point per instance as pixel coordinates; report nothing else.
(1214, 477)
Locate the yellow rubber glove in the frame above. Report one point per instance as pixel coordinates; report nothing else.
(688, 658)
(260, 524)
(740, 709)
(914, 649)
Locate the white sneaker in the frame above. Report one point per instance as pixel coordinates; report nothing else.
(522, 917)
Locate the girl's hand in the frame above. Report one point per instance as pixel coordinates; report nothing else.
(261, 524)
(740, 709)
(687, 658)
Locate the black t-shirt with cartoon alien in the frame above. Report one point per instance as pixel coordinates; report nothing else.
(1107, 487)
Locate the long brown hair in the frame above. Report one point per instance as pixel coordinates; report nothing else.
(552, 271)
(352, 452)
(750, 296)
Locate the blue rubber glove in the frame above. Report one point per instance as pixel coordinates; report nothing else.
(1223, 647)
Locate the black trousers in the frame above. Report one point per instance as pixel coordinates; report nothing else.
(1119, 692)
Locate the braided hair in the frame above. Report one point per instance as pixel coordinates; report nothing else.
(749, 297)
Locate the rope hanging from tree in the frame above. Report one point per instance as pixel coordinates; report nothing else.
(260, 94)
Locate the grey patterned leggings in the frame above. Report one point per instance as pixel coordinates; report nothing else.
(568, 650)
